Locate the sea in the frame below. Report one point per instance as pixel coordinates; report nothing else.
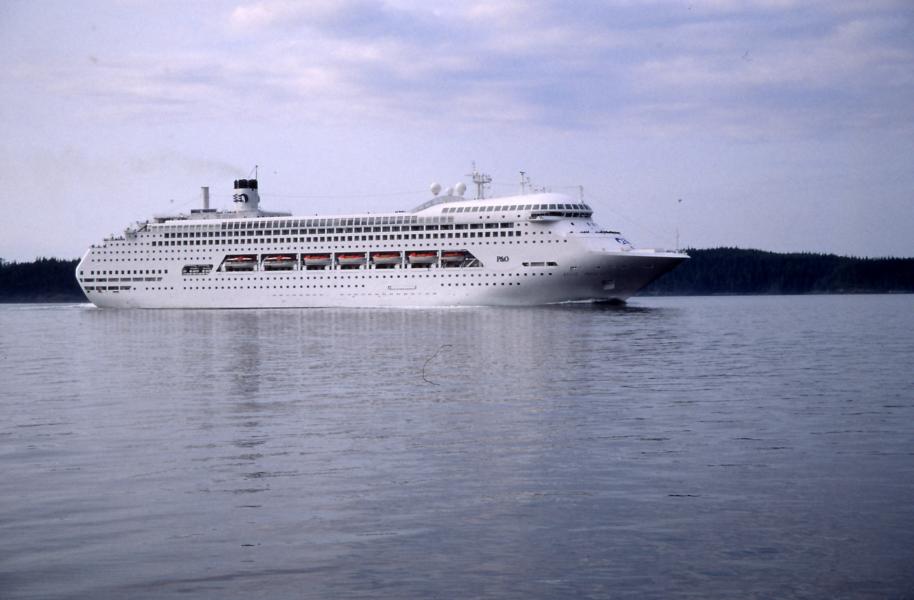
(701, 447)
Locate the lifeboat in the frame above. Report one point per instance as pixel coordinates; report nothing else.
(316, 260)
(279, 262)
(453, 256)
(385, 258)
(422, 257)
(350, 259)
(239, 263)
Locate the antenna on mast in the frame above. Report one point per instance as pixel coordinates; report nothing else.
(481, 180)
(524, 182)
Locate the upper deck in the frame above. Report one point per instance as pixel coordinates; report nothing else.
(537, 207)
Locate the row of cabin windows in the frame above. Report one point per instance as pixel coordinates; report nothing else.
(366, 222)
(129, 272)
(299, 240)
(338, 222)
(325, 231)
(103, 288)
(323, 275)
(316, 286)
(510, 207)
(319, 286)
(342, 238)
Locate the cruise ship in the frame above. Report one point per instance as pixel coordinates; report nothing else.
(528, 249)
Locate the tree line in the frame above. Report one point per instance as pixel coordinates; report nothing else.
(708, 272)
(738, 271)
(41, 280)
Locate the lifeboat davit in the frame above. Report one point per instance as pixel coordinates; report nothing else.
(422, 257)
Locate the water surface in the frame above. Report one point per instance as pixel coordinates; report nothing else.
(691, 447)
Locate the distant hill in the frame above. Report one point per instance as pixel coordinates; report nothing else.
(736, 271)
(708, 272)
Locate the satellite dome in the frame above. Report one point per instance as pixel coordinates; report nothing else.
(436, 188)
(460, 188)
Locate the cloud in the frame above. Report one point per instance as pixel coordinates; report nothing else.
(269, 13)
(712, 65)
(843, 74)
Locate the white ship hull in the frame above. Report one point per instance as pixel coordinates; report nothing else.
(603, 278)
(512, 259)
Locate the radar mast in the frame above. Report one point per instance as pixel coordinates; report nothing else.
(481, 180)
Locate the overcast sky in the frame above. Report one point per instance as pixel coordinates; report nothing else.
(782, 125)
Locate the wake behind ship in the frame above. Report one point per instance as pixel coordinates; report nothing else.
(530, 249)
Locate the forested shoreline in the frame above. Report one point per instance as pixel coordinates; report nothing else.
(718, 271)
(41, 280)
(712, 271)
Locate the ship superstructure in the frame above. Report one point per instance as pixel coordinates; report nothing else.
(534, 248)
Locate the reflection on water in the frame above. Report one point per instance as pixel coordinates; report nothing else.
(720, 447)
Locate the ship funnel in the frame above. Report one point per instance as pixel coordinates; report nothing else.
(205, 190)
(245, 195)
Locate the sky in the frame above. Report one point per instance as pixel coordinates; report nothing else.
(774, 124)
